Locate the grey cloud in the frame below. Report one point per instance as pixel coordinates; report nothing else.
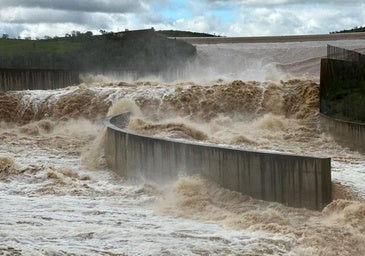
(154, 18)
(106, 6)
(36, 16)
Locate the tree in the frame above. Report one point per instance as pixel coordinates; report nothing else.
(75, 33)
(88, 33)
(5, 36)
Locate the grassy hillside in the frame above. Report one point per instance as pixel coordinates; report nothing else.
(9, 47)
(178, 33)
(142, 51)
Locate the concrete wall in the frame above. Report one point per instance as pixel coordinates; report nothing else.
(36, 79)
(349, 134)
(272, 39)
(296, 181)
(342, 96)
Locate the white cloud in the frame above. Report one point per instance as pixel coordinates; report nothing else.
(42, 29)
(228, 18)
(199, 23)
(205, 24)
(287, 20)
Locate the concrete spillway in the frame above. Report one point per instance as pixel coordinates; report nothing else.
(274, 39)
(298, 181)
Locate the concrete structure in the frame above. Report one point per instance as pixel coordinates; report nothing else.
(272, 39)
(342, 73)
(297, 181)
(349, 134)
(36, 79)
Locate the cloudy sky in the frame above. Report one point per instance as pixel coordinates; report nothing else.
(37, 18)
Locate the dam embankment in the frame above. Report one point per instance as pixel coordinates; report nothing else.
(297, 181)
(36, 79)
(273, 39)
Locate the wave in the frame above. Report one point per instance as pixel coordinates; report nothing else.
(170, 129)
(22, 107)
(338, 229)
(7, 167)
(288, 98)
(279, 116)
(306, 66)
(276, 116)
(298, 98)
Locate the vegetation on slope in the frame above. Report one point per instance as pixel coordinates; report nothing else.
(179, 33)
(143, 51)
(353, 30)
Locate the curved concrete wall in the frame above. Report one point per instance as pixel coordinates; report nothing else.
(349, 134)
(297, 181)
(36, 79)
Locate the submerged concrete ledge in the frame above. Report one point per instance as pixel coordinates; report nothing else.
(347, 133)
(297, 181)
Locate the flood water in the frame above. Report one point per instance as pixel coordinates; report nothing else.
(57, 196)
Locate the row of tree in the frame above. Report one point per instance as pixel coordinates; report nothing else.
(76, 33)
(73, 33)
(353, 30)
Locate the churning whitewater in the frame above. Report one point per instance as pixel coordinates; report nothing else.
(57, 196)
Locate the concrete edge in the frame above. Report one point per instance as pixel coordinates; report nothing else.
(274, 39)
(108, 122)
(346, 133)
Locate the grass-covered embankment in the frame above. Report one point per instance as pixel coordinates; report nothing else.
(139, 51)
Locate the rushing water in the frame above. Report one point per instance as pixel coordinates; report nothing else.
(58, 198)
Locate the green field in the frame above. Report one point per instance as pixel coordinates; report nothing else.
(11, 47)
(141, 51)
